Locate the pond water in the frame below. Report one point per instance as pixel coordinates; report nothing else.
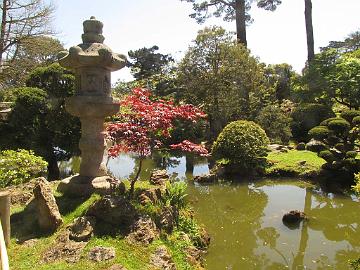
(244, 219)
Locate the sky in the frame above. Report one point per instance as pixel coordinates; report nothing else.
(273, 37)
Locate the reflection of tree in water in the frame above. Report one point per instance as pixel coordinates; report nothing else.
(232, 215)
(339, 220)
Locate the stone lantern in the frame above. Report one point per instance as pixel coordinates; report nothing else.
(92, 62)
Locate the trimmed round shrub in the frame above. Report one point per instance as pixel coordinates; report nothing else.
(326, 121)
(242, 143)
(340, 147)
(319, 132)
(350, 114)
(17, 167)
(307, 116)
(356, 120)
(327, 155)
(351, 154)
(340, 126)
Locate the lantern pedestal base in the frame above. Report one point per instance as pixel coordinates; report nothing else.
(84, 186)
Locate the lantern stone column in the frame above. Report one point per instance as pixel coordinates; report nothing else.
(92, 62)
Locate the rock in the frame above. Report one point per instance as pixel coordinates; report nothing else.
(117, 267)
(143, 231)
(302, 162)
(204, 238)
(83, 186)
(115, 210)
(206, 178)
(82, 229)
(168, 218)
(315, 146)
(159, 177)
(300, 146)
(65, 249)
(193, 255)
(151, 195)
(49, 217)
(290, 147)
(283, 150)
(293, 217)
(275, 147)
(99, 254)
(29, 243)
(161, 259)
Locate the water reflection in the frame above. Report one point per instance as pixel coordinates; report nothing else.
(245, 219)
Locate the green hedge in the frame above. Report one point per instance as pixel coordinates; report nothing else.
(242, 143)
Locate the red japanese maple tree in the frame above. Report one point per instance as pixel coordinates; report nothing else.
(145, 122)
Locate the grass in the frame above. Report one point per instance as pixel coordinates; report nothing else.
(290, 164)
(133, 257)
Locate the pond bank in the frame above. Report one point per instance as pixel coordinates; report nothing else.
(156, 233)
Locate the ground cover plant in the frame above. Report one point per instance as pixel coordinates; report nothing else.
(294, 163)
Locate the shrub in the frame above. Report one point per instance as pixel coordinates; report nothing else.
(242, 143)
(351, 154)
(307, 116)
(275, 123)
(327, 156)
(339, 126)
(357, 181)
(326, 121)
(349, 115)
(319, 132)
(17, 167)
(339, 136)
(356, 120)
(175, 195)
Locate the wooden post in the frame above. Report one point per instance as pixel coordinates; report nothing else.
(5, 215)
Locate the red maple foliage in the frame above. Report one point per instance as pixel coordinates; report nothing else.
(145, 122)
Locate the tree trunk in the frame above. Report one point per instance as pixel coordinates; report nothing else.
(3, 30)
(133, 181)
(299, 258)
(189, 162)
(309, 30)
(240, 11)
(53, 169)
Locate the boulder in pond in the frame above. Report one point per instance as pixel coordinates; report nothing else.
(293, 218)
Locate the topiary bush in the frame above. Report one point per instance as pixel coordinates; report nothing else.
(306, 116)
(276, 124)
(339, 136)
(319, 132)
(241, 145)
(349, 115)
(17, 167)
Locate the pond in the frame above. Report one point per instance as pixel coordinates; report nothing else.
(244, 219)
